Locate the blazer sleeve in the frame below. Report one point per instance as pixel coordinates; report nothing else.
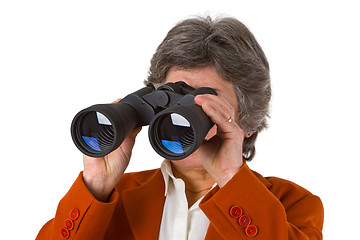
(79, 207)
(246, 207)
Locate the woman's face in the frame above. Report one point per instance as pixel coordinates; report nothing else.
(196, 78)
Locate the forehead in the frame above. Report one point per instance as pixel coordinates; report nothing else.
(197, 77)
(203, 77)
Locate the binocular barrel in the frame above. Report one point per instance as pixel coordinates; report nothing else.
(100, 129)
(177, 126)
(178, 131)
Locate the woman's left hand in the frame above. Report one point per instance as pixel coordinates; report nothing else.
(221, 154)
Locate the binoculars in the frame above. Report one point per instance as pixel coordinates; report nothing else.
(177, 126)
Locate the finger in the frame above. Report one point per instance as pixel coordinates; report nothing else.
(217, 108)
(117, 100)
(220, 111)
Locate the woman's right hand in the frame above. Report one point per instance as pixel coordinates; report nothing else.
(102, 174)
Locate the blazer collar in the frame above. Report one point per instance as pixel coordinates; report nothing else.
(144, 206)
(267, 184)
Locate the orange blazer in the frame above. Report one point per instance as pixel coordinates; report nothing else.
(249, 206)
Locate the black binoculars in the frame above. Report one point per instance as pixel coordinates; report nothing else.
(177, 125)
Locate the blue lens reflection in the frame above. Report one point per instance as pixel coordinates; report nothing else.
(172, 146)
(92, 143)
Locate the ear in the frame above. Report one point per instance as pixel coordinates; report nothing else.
(249, 134)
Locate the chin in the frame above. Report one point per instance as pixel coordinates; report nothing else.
(190, 162)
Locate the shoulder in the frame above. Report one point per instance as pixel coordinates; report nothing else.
(288, 192)
(280, 185)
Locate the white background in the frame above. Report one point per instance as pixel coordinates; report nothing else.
(58, 57)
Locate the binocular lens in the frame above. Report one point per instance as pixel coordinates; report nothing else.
(100, 129)
(178, 131)
(176, 134)
(96, 131)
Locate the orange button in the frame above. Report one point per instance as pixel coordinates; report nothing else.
(251, 230)
(69, 224)
(74, 214)
(235, 212)
(65, 233)
(244, 220)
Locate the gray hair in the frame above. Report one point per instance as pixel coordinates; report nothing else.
(227, 44)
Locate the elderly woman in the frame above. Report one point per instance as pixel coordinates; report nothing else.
(211, 194)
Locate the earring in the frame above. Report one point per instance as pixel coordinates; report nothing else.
(249, 134)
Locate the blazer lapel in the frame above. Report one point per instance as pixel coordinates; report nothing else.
(144, 206)
(212, 233)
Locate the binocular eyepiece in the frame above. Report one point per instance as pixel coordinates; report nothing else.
(177, 126)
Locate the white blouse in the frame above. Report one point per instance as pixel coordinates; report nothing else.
(178, 221)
